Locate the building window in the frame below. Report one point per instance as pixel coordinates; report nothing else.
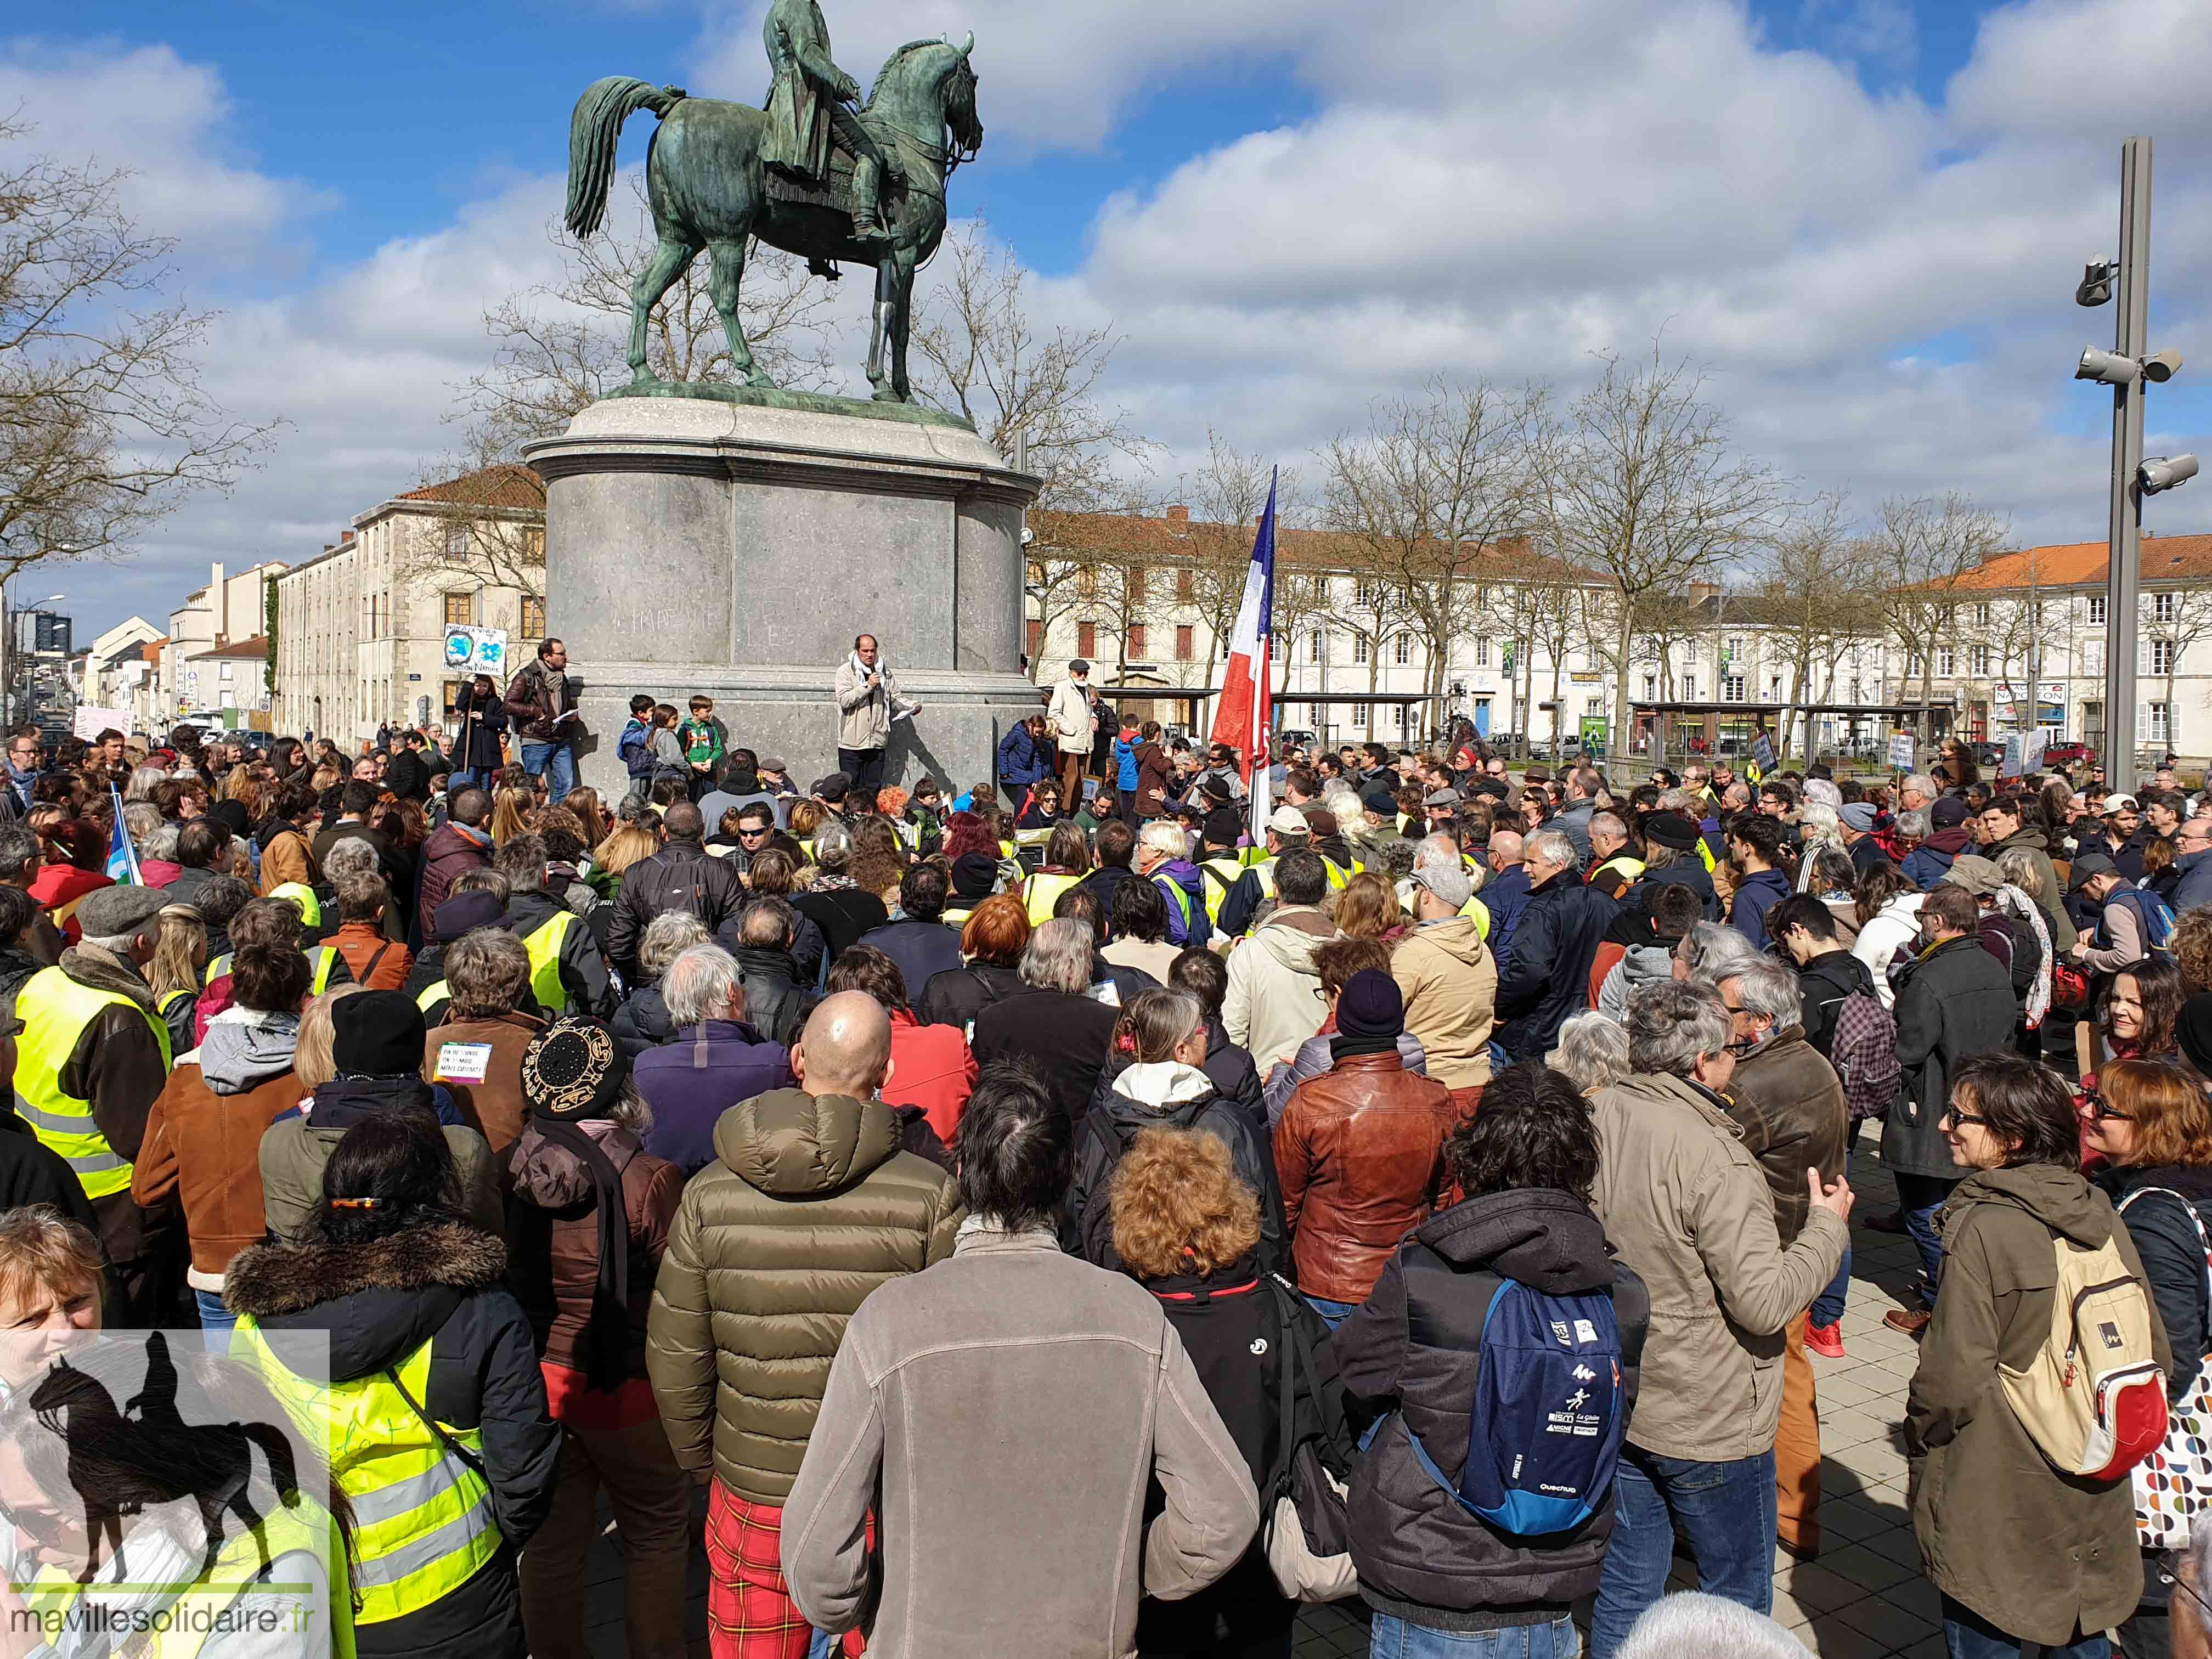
(1086, 640)
(1981, 658)
(2096, 610)
(1035, 632)
(1981, 614)
(457, 542)
(1651, 688)
(2164, 654)
(2093, 656)
(1133, 585)
(1136, 647)
(1314, 645)
(1946, 661)
(1689, 688)
(1186, 583)
(460, 610)
(1732, 688)
(1086, 581)
(2161, 729)
(533, 617)
(2162, 606)
(1733, 647)
(1403, 650)
(1186, 638)
(1360, 647)
(1482, 651)
(451, 691)
(1359, 717)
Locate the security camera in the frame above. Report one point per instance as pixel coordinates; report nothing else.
(2159, 366)
(2160, 472)
(2108, 367)
(2096, 286)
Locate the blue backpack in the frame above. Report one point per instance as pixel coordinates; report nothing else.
(635, 747)
(2152, 915)
(1549, 1411)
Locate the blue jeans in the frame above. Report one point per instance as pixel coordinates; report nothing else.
(1726, 1511)
(1828, 1306)
(820, 1645)
(213, 1316)
(1332, 1313)
(1393, 1637)
(555, 763)
(1918, 1198)
(468, 777)
(1968, 1635)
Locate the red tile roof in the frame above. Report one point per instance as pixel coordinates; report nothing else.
(2085, 564)
(256, 647)
(505, 485)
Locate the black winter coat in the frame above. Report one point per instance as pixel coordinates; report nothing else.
(2172, 1255)
(1825, 983)
(378, 1302)
(1548, 977)
(681, 876)
(958, 995)
(1235, 1077)
(30, 1173)
(1951, 1003)
(776, 1004)
(643, 1021)
(1231, 1324)
(1420, 1556)
(921, 949)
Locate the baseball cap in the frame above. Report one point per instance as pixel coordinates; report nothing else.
(1287, 821)
(2087, 864)
(2120, 803)
(1948, 814)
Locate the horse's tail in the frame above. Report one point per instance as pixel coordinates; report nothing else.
(284, 1473)
(606, 103)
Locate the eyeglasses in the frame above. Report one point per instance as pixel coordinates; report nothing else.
(751, 835)
(2099, 1110)
(1960, 1119)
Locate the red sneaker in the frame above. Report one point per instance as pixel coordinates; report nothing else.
(1826, 1340)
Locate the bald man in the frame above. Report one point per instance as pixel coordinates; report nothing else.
(1505, 895)
(809, 1205)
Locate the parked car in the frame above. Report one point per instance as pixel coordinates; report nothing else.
(1987, 754)
(2069, 754)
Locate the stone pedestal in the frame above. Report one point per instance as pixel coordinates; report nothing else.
(735, 547)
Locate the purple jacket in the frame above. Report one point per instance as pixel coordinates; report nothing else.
(690, 1080)
(1183, 873)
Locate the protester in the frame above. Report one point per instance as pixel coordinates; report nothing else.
(1273, 1002)
(992, 940)
(541, 700)
(1437, 1578)
(1686, 1206)
(422, 1339)
(1545, 977)
(919, 942)
(2065, 1568)
(765, 946)
(1035, 1395)
(50, 1286)
(476, 1052)
(718, 1058)
(1053, 1023)
(867, 698)
(808, 1207)
(1888, 914)
(589, 1222)
(371, 957)
(1188, 1228)
(567, 974)
(1954, 1002)
(1138, 920)
(1153, 1080)
(1593, 1051)
(642, 1021)
(931, 1070)
(1359, 1150)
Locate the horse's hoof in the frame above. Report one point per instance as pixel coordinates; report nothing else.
(885, 395)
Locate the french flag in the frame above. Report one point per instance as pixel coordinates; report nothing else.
(1242, 715)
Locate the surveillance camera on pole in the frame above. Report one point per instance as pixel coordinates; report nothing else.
(2159, 366)
(2096, 284)
(2108, 367)
(2161, 472)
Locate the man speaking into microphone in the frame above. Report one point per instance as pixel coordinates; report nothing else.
(868, 701)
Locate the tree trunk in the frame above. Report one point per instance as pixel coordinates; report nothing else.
(1616, 746)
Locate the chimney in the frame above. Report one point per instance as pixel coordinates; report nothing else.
(219, 592)
(345, 535)
(1178, 514)
(1701, 592)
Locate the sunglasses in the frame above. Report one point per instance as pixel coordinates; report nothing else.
(2095, 1107)
(753, 835)
(1962, 1119)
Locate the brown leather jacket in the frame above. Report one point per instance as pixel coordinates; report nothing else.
(203, 1150)
(1348, 1213)
(1791, 1107)
(492, 1106)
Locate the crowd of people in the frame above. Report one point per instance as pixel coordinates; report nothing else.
(1045, 1218)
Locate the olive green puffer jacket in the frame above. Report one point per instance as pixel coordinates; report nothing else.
(809, 1205)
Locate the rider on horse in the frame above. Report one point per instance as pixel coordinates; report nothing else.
(808, 103)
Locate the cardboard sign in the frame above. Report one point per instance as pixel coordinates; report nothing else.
(462, 1063)
(476, 650)
(1762, 751)
(90, 722)
(1900, 750)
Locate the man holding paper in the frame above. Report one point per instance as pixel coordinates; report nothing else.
(542, 700)
(868, 700)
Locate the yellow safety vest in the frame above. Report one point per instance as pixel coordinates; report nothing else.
(1338, 875)
(806, 848)
(1227, 872)
(1630, 868)
(311, 908)
(422, 1519)
(1041, 891)
(544, 945)
(955, 918)
(55, 1010)
(1011, 854)
(308, 1529)
(1173, 892)
(319, 958)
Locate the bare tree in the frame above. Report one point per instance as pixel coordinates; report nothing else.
(980, 354)
(1920, 555)
(1638, 484)
(1812, 593)
(2177, 615)
(560, 347)
(1428, 493)
(105, 429)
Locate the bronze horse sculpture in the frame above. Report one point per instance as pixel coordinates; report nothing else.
(709, 189)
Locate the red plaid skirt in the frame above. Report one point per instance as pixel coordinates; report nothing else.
(749, 1612)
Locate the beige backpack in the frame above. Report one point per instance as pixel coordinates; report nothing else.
(2092, 1397)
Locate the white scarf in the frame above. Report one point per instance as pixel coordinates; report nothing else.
(2013, 901)
(861, 670)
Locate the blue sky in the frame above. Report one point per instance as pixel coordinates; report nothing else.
(1862, 217)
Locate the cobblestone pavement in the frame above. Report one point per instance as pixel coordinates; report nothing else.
(1864, 1598)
